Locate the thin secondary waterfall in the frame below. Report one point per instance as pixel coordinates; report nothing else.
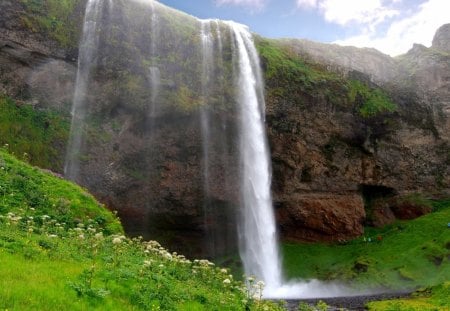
(258, 238)
(154, 72)
(87, 55)
(207, 64)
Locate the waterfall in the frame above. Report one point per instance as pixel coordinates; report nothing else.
(257, 230)
(86, 59)
(154, 72)
(207, 64)
(173, 82)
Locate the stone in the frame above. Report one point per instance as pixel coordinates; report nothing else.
(321, 217)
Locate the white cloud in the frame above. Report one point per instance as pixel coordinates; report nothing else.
(344, 12)
(419, 27)
(307, 3)
(253, 5)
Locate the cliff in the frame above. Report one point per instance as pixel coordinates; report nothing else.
(346, 125)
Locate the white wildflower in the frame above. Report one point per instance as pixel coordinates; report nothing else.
(226, 281)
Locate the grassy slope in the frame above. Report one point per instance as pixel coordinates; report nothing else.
(429, 299)
(410, 254)
(60, 249)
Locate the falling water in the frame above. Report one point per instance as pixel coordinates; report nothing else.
(88, 51)
(207, 64)
(258, 238)
(154, 72)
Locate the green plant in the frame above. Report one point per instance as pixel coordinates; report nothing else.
(38, 136)
(68, 252)
(371, 102)
(57, 18)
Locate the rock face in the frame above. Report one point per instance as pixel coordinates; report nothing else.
(330, 217)
(326, 153)
(321, 144)
(441, 40)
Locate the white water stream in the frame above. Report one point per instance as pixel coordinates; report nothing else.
(257, 230)
(86, 60)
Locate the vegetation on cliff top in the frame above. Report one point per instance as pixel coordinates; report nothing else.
(289, 76)
(38, 135)
(60, 249)
(57, 18)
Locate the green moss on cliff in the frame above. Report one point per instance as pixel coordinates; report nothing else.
(60, 19)
(370, 101)
(284, 69)
(291, 77)
(38, 135)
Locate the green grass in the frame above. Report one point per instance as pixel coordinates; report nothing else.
(61, 250)
(428, 299)
(409, 254)
(40, 135)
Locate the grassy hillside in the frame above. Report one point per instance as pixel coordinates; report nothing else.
(428, 299)
(60, 250)
(405, 255)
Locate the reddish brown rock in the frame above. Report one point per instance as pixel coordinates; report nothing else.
(406, 209)
(321, 217)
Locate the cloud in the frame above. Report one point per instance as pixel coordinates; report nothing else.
(401, 33)
(307, 3)
(344, 12)
(253, 5)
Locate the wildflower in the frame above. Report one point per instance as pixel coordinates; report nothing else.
(52, 236)
(226, 281)
(161, 266)
(117, 240)
(147, 263)
(98, 236)
(81, 236)
(223, 270)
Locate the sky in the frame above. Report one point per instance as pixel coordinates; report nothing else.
(390, 26)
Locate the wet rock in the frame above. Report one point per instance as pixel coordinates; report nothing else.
(321, 217)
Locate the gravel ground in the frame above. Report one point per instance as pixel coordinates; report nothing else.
(346, 303)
